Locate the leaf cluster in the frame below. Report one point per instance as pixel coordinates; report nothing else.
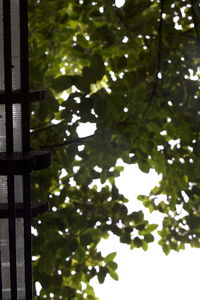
(131, 72)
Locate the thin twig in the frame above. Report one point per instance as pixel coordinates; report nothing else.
(195, 21)
(40, 125)
(159, 59)
(70, 142)
(159, 55)
(46, 128)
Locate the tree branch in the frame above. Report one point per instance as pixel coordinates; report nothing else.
(45, 128)
(194, 18)
(40, 125)
(159, 56)
(70, 142)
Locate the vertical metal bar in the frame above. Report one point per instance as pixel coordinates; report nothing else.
(8, 75)
(26, 144)
(9, 143)
(1, 287)
(12, 237)
(27, 237)
(24, 74)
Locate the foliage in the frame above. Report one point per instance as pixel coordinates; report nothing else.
(132, 72)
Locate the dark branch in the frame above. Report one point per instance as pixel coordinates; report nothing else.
(40, 125)
(159, 55)
(195, 9)
(159, 59)
(45, 128)
(70, 142)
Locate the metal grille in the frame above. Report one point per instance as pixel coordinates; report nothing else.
(16, 159)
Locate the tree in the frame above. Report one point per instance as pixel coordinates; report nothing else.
(133, 72)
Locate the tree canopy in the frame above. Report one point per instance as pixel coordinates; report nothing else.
(133, 72)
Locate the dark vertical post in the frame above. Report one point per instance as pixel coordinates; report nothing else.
(12, 237)
(25, 143)
(24, 74)
(1, 288)
(9, 143)
(27, 236)
(8, 75)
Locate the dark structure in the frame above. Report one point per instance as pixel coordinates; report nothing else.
(16, 159)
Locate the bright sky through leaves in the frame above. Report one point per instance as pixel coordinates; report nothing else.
(119, 3)
(148, 275)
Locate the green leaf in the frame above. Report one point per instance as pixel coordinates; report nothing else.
(149, 228)
(62, 83)
(149, 238)
(102, 274)
(81, 40)
(137, 242)
(110, 257)
(144, 166)
(100, 104)
(97, 64)
(113, 274)
(122, 63)
(166, 249)
(145, 245)
(89, 75)
(81, 83)
(125, 238)
(112, 265)
(90, 235)
(47, 263)
(137, 217)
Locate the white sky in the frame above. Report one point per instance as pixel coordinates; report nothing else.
(148, 275)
